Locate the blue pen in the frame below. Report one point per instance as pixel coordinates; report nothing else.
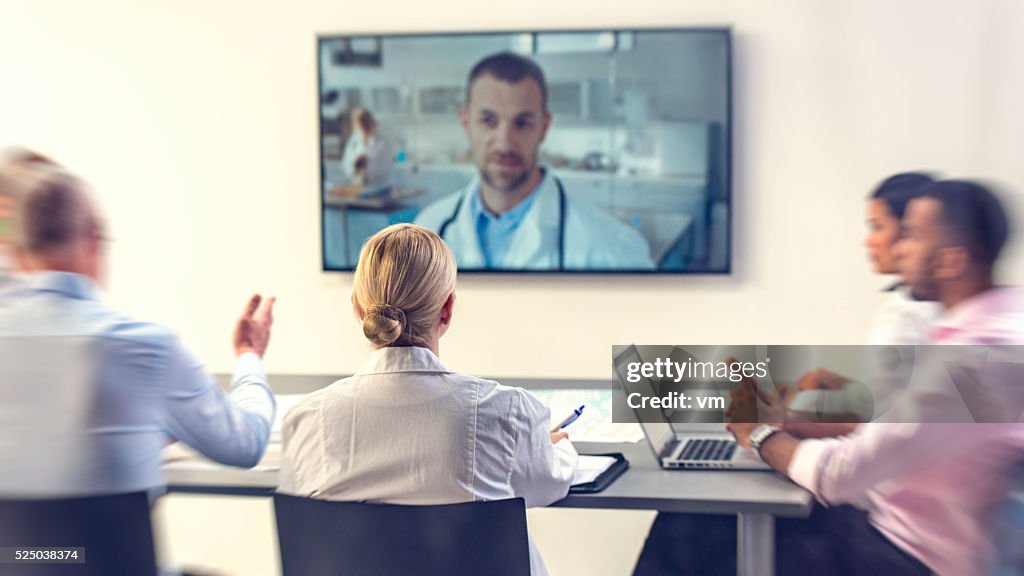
(570, 418)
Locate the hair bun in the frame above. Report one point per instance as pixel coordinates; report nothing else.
(384, 324)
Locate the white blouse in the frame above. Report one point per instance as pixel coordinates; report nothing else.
(404, 430)
(901, 320)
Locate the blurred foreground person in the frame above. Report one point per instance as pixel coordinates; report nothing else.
(88, 396)
(12, 161)
(932, 486)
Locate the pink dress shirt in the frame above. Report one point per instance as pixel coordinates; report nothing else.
(932, 488)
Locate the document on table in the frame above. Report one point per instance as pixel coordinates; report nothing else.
(595, 424)
(590, 467)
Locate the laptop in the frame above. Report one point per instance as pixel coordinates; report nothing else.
(700, 446)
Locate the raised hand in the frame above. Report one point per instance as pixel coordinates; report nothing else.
(252, 333)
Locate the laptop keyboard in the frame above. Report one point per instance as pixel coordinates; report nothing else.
(708, 449)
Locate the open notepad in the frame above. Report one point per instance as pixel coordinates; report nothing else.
(595, 424)
(590, 467)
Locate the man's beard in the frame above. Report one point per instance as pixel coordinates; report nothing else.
(927, 288)
(510, 184)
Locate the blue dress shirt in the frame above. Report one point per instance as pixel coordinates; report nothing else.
(495, 232)
(89, 397)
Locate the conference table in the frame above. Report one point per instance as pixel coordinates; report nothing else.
(756, 497)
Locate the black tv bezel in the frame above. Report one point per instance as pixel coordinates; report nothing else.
(725, 31)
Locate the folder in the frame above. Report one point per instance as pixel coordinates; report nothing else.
(606, 468)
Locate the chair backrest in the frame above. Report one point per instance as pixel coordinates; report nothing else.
(327, 538)
(115, 531)
(1010, 529)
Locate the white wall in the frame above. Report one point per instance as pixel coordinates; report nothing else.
(196, 121)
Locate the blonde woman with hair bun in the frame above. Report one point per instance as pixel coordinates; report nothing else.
(405, 429)
(404, 287)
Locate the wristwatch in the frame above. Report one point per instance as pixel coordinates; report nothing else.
(760, 434)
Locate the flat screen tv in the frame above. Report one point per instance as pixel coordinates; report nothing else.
(584, 151)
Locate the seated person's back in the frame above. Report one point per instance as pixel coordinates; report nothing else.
(404, 429)
(88, 396)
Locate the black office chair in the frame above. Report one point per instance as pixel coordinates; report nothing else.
(326, 538)
(114, 530)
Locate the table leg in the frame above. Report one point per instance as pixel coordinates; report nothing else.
(755, 554)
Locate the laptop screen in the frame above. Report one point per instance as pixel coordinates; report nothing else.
(655, 425)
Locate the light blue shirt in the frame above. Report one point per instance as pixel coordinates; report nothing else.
(89, 397)
(495, 232)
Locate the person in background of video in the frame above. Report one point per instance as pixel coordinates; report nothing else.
(368, 157)
(514, 214)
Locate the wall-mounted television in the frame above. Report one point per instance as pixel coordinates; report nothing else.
(583, 151)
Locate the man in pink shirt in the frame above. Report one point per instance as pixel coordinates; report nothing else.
(931, 487)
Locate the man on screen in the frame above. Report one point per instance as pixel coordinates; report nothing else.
(514, 214)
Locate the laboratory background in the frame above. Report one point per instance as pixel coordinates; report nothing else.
(640, 129)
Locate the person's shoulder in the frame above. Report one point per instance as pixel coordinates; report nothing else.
(486, 390)
(340, 387)
(528, 403)
(611, 229)
(314, 402)
(113, 324)
(1003, 322)
(483, 386)
(433, 214)
(901, 305)
(610, 242)
(901, 320)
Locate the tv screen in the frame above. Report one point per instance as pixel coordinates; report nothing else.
(596, 151)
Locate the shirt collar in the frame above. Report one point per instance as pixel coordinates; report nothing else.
(70, 284)
(980, 312)
(513, 216)
(394, 359)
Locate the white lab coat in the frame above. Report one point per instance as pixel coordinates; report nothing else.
(594, 239)
(404, 430)
(379, 157)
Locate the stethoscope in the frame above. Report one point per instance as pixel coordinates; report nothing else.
(561, 221)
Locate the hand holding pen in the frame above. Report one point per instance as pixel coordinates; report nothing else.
(557, 433)
(569, 419)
